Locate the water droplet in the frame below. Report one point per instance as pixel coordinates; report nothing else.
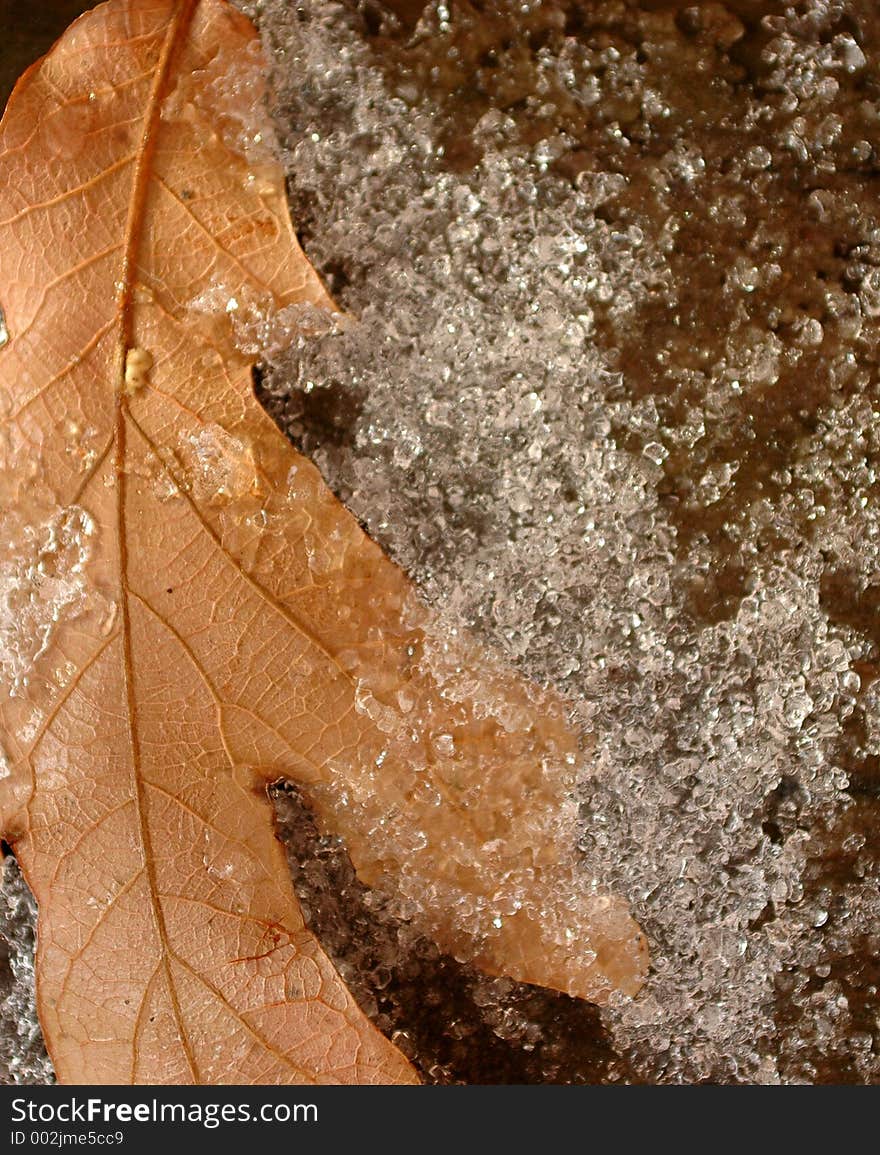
(5, 765)
(66, 127)
(4, 332)
(138, 363)
(109, 619)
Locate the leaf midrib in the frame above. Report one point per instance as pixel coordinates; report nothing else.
(178, 27)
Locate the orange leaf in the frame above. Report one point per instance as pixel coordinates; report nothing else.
(187, 613)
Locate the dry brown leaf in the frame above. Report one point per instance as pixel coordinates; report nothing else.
(187, 613)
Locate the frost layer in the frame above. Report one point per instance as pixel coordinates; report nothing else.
(610, 400)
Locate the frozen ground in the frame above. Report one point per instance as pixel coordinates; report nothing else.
(611, 400)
